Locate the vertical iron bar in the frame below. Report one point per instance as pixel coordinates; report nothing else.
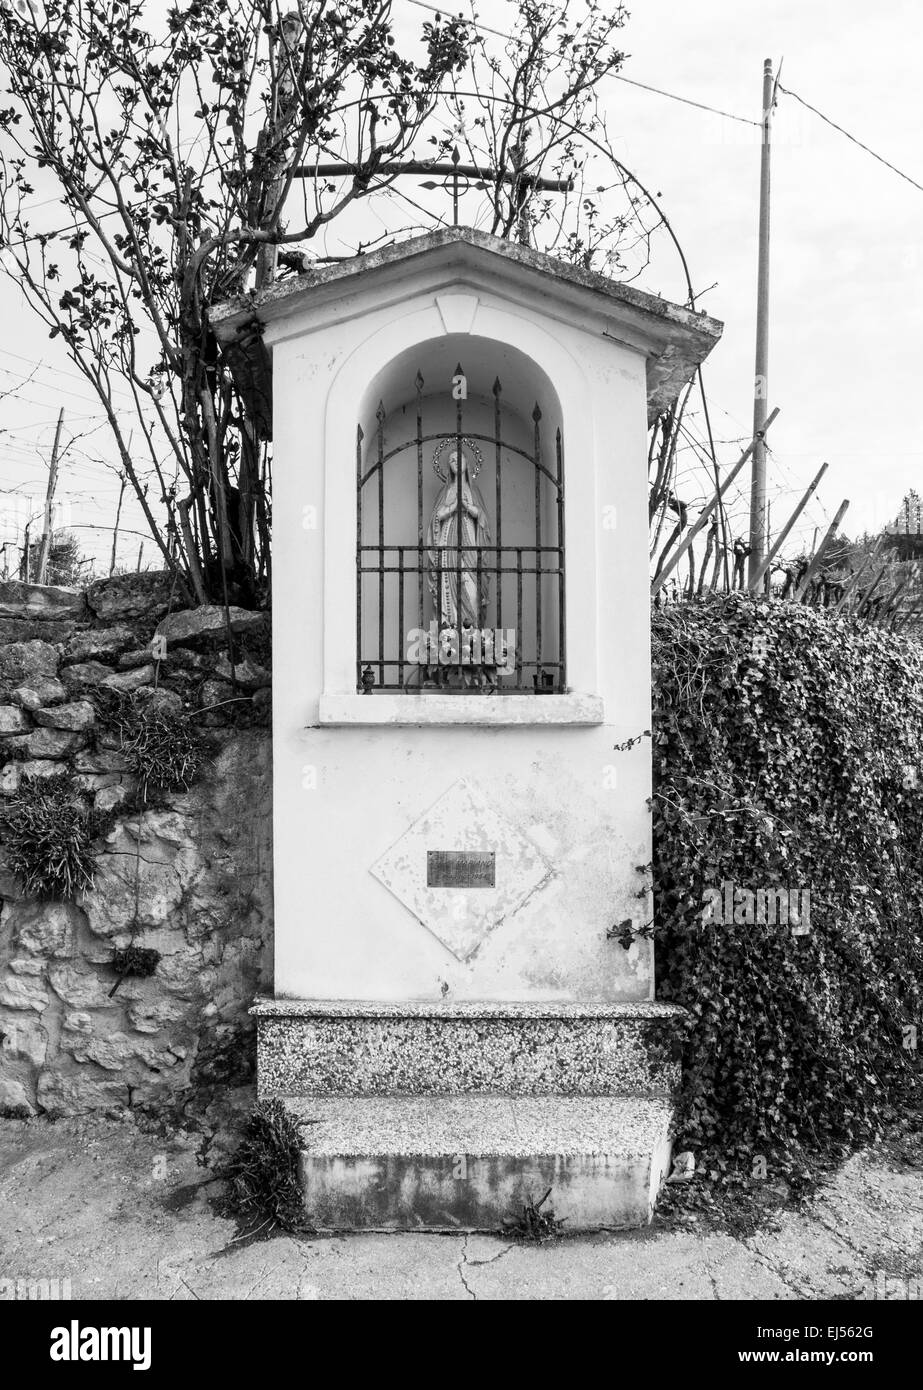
(459, 523)
(562, 628)
(439, 553)
(420, 534)
(455, 160)
(359, 438)
(497, 389)
(380, 416)
(480, 623)
(518, 617)
(400, 617)
(536, 416)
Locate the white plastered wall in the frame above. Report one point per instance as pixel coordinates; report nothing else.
(346, 788)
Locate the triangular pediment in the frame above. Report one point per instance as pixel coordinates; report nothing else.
(456, 265)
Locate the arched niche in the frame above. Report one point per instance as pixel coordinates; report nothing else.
(505, 410)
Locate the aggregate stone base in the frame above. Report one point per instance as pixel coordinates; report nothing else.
(467, 1163)
(343, 1048)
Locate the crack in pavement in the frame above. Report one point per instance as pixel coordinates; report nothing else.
(463, 1261)
(493, 1259)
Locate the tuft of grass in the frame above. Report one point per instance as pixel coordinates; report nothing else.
(264, 1191)
(48, 835)
(532, 1223)
(163, 750)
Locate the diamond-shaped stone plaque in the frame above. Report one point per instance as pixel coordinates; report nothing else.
(463, 820)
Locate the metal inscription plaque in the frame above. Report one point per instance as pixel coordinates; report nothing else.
(461, 868)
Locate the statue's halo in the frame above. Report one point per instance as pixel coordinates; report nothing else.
(452, 439)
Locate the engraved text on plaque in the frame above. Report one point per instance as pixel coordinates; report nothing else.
(461, 868)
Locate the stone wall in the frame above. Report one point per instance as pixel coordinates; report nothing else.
(187, 874)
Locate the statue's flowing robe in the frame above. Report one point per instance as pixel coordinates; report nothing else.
(451, 559)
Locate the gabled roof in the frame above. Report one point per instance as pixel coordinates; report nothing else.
(674, 340)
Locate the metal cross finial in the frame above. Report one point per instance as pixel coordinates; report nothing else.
(456, 179)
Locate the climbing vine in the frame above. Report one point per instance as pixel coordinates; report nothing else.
(788, 873)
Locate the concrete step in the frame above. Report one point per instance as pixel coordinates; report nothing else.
(464, 1163)
(339, 1048)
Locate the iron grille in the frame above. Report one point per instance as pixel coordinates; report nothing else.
(458, 578)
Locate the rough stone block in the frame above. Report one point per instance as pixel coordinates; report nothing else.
(51, 743)
(28, 629)
(109, 798)
(42, 767)
(23, 1040)
(44, 928)
(81, 989)
(78, 1022)
(101, 641)
(126, 681)
(40, 691)
(78, 1095)
(12, 720)
(18, 992)
(215, 693)
(138, 656)
(160, 702)
(86, 673)
(23, 661)
(154, 1015)
(10, 778)
(27, 965)
(74, 717)
(111, 1052)
(130, 595)
(180, 628)
(247, 673)
(14, 1099)
(40, 601)
(103, 760)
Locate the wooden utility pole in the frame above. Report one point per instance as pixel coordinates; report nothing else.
(45, 547)
(761, 370)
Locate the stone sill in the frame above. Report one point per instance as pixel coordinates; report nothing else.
(624, 1010)
(496, 711)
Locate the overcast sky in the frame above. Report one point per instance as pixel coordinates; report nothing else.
(847, 255)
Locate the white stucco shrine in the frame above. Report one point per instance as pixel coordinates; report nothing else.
(461, 711)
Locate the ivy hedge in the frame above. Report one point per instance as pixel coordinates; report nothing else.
(788, 755)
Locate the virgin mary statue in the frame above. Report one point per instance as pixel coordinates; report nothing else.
(454, 527)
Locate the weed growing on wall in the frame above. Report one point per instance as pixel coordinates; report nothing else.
(788, 873)
(48, 834)
(165, 751)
